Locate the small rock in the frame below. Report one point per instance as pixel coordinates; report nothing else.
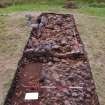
(89, 89)
(58, 95)
(34, 41)
(55, 76)
(67, 102)
(93, 87)
(66, 92)
(34, 26)
(63, 82)
(50, 63)
(88, 95)
(43, 20)
(81, 98)
(74, 94)
(55, 47)
(63, 42)
(40, 25)
(59, 21)
(56, 59)
(64, 61)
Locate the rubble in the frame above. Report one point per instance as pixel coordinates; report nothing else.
(57, 66)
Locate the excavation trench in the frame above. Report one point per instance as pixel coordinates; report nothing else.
(54, 65)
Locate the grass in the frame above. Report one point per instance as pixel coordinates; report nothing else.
(31, 1)
(92, 33)
(93, 11)
(10, 37)
(33, 7)
(52, 6)
(13, 36)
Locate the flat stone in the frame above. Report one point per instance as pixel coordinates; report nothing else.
(74, 94)
(55, 47)
(55, 76)
(63, 42)
(50, 63)
(56, 59)
(67, 102)
(66, 92)
(89, 89)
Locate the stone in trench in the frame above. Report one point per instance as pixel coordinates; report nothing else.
(35, 26)
(75, 94)
(67, 102)
(55, 47)
(63, 42)
(56, 59)
(66, 92)
(64, 61)
(43, 20)
(55, 76)
(50, 63)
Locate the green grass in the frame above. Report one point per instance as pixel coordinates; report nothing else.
(31, 1)
(52, 6)
(93, 11)
(33, 7)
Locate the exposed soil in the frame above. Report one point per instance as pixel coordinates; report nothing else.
(54, 64)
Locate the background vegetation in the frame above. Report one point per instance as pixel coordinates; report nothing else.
(93, 7)
(48, 1)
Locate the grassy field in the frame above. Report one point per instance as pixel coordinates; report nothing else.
(93, 11)
(52, 6)
(31, 7)
(14, 34)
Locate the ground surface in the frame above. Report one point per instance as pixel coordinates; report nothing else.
(14, 34)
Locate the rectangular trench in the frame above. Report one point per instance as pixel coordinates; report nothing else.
(54, 64)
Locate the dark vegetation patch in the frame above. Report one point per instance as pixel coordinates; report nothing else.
(4, 5)
(71, 4)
